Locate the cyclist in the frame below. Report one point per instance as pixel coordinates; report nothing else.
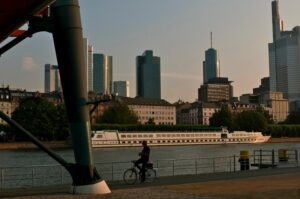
(145, 153)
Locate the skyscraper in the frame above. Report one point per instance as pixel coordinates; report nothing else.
(148, 75)
(52, 78)
(122, 88)
(211, 65)
(88, 61)
(284, 58)
(102, 73)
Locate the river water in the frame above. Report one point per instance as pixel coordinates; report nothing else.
(29, 168)
(20, 158)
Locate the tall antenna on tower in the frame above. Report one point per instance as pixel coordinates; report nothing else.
(211, 39)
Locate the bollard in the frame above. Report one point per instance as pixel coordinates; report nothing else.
(244, 160)
(283, 155)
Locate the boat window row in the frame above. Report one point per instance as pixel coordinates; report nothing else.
(245, 134)
(137, 136)
(242, 134)
(168, 135)
(105, 142)
(187, 135)
(170, 141)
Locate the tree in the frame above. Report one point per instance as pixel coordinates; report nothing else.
(150, 121)
(266, 114)
(5, 132)
(251, 121)
(224, 117)
(293, 118)
(118, 114)
(61, 126)
(41, 118)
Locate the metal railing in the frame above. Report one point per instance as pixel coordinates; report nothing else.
(34, 176)
(271, 158)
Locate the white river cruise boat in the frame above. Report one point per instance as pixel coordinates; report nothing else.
(110, 138)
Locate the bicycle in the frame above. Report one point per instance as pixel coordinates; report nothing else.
(132, 174)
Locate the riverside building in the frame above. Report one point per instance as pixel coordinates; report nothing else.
(5, 102)
(161, 111)
(196, 113)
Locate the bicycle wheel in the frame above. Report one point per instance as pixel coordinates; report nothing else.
(150, 175)
(130, 176)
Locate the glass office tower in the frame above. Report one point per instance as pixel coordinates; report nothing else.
(148, 76)
(102, 74)
(52, 79)
(211, 65)
(284, 59)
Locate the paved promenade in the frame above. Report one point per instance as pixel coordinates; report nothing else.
(277, 183)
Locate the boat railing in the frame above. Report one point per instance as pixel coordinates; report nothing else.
(45, 175)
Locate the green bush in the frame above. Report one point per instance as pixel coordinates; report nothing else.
(5, 128)
(283, 130)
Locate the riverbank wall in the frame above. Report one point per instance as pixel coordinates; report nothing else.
(29, 145)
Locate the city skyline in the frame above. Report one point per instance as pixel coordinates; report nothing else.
(177, 31)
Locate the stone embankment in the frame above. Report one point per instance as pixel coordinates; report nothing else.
(29, 145)
(285, 139)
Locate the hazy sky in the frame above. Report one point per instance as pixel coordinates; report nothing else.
(178, 31)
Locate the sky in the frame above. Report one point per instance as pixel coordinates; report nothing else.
(178, 31)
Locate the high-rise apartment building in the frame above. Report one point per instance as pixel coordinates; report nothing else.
(148, 75)
(121, 88)
(103, 70)
(52, 78)
(211, 65)
(284, 59)
(88, 62)
(216, 90)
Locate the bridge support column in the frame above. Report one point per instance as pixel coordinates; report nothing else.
(68, 41)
